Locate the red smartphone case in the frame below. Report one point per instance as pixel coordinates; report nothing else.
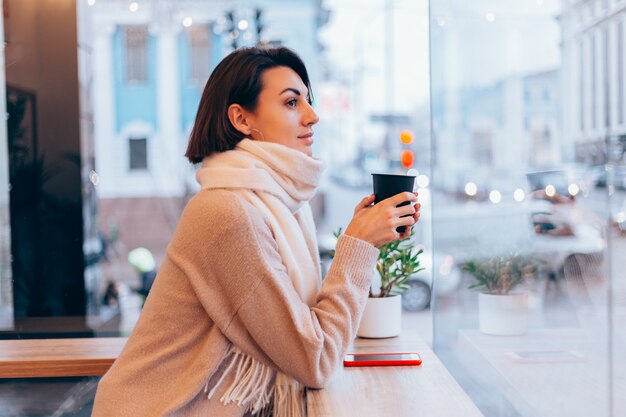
(368, 359)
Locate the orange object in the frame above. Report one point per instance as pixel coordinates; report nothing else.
(406, 137)
(407, 158)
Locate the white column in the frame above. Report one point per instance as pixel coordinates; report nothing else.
(613, 85)
(165, 149)
(622, 53)
(570, 99)
(109, 164)
(588, 62)
(597, 89)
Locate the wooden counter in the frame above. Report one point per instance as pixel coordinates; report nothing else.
(58, 357)
(403, 391)
(426, 390)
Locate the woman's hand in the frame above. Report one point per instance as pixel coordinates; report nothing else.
(377, 224)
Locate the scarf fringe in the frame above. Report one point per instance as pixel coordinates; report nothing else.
(256, 386)
(288, 397)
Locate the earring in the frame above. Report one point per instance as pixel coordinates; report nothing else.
(254, 129)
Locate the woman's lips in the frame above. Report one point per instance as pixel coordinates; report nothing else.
(307, 139)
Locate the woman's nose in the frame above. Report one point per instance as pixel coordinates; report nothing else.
(310, 118)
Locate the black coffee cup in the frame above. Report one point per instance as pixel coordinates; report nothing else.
(388, 185)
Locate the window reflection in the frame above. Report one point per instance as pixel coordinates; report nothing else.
(529, 157)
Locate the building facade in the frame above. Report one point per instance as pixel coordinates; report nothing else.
(151, 60)
(594, 82)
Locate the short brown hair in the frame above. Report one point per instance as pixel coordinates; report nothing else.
(236, 79)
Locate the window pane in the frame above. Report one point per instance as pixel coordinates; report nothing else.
(136, 38)
(534, 229)
(138, 151)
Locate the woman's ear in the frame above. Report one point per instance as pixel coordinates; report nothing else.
(238, 117)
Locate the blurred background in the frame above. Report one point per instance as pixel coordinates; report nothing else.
(511, 115)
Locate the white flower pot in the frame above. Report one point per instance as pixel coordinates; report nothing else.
(381, 318)
(503, 315)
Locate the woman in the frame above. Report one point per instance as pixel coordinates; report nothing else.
(238, 320)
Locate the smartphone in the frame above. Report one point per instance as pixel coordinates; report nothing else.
(543, 356)
(382, 359)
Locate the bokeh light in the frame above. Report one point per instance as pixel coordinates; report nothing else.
(406, 137)
(495, 196)
(407, 158)
(422, 181)
(471, 189)
(243, 24)
(519, 195)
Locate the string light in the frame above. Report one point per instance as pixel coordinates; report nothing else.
(243, 24)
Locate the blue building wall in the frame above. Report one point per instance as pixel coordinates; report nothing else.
(190, 92)
(137, 100)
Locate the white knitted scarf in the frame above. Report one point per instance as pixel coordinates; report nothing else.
(279, 181)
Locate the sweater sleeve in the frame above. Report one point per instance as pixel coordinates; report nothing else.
(237, 273)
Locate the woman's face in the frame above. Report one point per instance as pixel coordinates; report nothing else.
(283, 113)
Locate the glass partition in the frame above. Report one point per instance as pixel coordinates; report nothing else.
(528, 194)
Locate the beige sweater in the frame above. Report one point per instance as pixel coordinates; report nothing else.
(223, 281)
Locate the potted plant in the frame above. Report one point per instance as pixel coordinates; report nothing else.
(501, 310)
(397, 262)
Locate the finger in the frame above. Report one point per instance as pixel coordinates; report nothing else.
(366, 202)
(406, 233)
(404, 211)
(408, 210)
(401, 198)
(405, 221)
(418, 208)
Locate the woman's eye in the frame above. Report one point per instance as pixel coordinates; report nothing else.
(291, 103)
